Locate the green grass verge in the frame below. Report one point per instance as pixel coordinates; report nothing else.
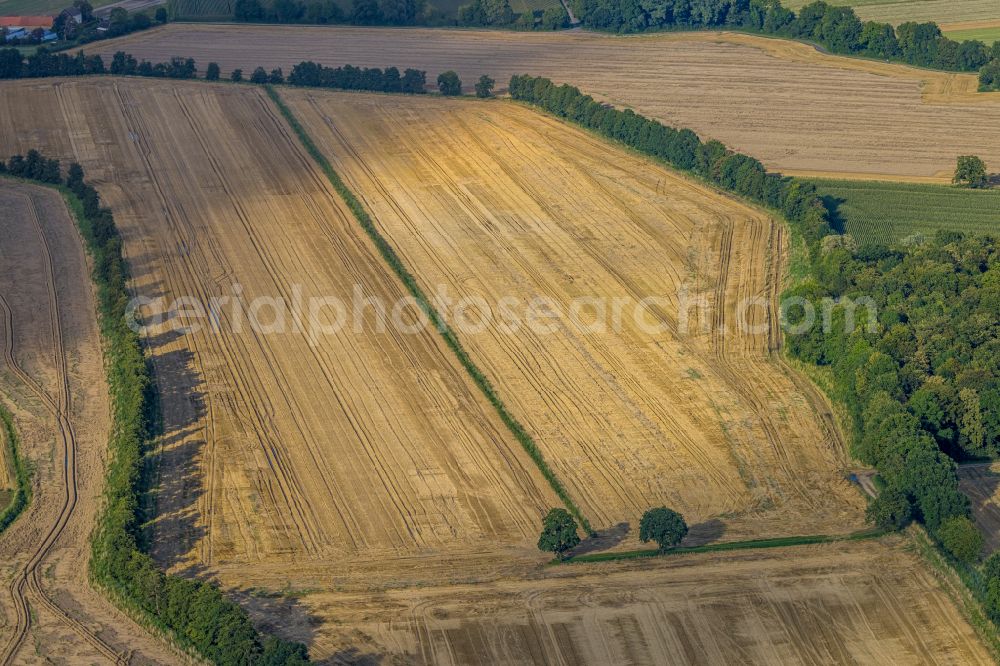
(885, 212)
(22, 475)
(751, 544)
(396, 263)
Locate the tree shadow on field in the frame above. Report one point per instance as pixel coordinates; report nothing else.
(605, 539)
(704, 533)
(980, 484)
(354, 657)
(173, 478)
(280, 613)
(833, 214)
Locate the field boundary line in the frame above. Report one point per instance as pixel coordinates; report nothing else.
(750, 544)
(392, 258)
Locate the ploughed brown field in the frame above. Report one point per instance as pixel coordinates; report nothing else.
(358, 485)
(794, 108)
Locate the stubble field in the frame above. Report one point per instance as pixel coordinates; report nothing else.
(52, 380)
(899, 11)
(868, 603)
(634, 410)
(278, 448)
(333, 476)
(796, 109)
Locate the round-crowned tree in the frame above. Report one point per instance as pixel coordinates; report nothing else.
(449, 83)
(664, 526)
(961, 538)
(891, 510)
(558, 533)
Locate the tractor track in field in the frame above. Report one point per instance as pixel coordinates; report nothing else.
(27, 584)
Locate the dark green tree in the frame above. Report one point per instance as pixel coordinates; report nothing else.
(161, 15)
(891, 510)
(484, 86)
(212, 72)
(258, 75)
(961, 538)
(449, 83)
(559, 533)
(970, 172)
(664, 526)
(236, 76)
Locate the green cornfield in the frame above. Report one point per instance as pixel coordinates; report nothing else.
(883, 212)
(202, 10)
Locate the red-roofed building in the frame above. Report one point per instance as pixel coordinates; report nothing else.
(29, 22)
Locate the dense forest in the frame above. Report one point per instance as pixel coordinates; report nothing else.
(196, 613)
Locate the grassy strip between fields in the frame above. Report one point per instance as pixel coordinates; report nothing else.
(750, 544)
(22, 494)
(392, 258)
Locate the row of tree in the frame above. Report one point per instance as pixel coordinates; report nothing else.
(314, 75)
(835, 27)
(398, 12)
(195, 612)
(560, 532)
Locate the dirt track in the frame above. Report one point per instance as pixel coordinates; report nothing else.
(53, 380)
(785, 103)
(494, 201)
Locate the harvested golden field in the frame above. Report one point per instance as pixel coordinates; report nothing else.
(497, 207)
(867, 603)
(981, 482)
(52, 381)
(900, 11)
(283, 444)
(796, 109)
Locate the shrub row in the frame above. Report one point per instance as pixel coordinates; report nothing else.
(396, 263)
(22, 477)
(314, 75)
(835, 27)
(193, 612)
(399, 12)
(14, 65)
